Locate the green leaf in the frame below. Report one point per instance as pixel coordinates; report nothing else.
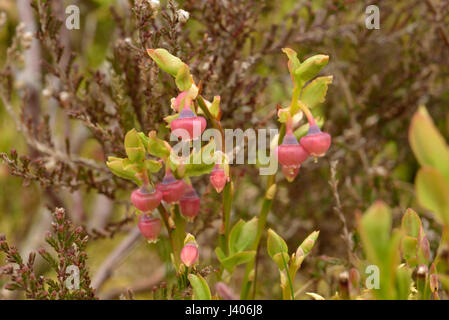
(200, 287)
(293, 61)
(236, 259)
(411, 223)
(153, 166)
(242, 235)
(275, 244)
(310, 68)
(157, 147)
(135, 149)
(144, 139)
(178, 169)
(433, 193)
(284, 115)
(183, 78)
(214, 107)
(234, 234)
(389, 265)
(427, 144)
(403, 282)
(166, 61)
(282, 263)
(308, 243)
(375, 228)
(123, 168)
(409, 249)
(201, 162)
(315, 92)
(220, 254)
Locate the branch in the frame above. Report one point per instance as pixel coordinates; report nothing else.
(70, 160)
(120, 252)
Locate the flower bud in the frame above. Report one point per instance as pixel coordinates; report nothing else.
(180, 101)
(433, 282)
(146, 200)
(188, 126)
(218, 178)
(172, 189)
(189, 254)
(190, 204)
(316, 142)
(354, 278)
(307, 245)
(149, 227)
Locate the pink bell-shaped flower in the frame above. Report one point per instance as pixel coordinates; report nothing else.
(316, 142)
(149, 227)
(172, 190)
(146, 200)
(218, 178)
(190, 204)
(290, 152)
(189, 254)
(290, 155)
(188, 126)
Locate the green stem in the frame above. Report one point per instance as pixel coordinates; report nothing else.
(266, 206)
(215, 123)
(227, 205)
(294, 103)
(227, 192)
(165, 218)
(179, 232)
(290, 284)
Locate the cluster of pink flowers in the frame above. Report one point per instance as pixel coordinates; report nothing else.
(171, 190)
(291, 153)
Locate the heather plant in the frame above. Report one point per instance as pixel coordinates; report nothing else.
(69, 243)
(132, 132)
